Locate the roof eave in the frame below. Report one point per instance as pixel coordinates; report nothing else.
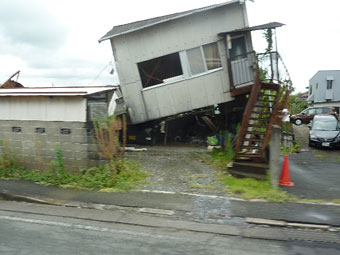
(166, 20)
(254, 28)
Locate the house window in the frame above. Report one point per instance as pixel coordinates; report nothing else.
(204, 58)
(155, 71)
(238, 47)
(310, 90)
(170, 67)
(329, 84)
(212, 57)
(317, 85)
(196, 62)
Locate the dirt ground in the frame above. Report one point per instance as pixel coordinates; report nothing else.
(178, 169)
(184, 168)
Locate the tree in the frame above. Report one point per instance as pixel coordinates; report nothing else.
(296, 104)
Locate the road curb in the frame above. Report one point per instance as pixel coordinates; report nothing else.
(281, 223)
(19, 198)
(160, 212)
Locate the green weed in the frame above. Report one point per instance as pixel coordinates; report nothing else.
(92, 178)
(248, 188)
(319, 156)
(198, 186)
(129, 173)
(221, 158)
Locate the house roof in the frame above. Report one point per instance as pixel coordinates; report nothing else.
(130, 27)
(323, 71)
(55, 91)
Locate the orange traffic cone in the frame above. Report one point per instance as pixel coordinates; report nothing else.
(285, 178)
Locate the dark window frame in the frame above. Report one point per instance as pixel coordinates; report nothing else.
(154, 71)
(65, 131)
(40, 130)
(329, 84)
(16, 129)
(178, 65)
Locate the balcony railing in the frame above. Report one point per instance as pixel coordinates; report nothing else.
(269, 67)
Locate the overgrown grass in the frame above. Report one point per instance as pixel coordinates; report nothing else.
(221, 158)
(98, 178)
(248, 188)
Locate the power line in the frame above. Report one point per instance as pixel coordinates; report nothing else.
(98, 75)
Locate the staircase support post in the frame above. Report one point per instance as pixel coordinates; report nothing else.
(274, 156)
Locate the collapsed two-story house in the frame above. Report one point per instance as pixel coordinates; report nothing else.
(190, 61)
(324, 89)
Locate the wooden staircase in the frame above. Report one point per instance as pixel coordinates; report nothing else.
(258, 119)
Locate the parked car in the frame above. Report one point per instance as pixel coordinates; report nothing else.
(308, 114)
(324, 131)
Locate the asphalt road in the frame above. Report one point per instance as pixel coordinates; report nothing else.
(315, 172)
(79, 231)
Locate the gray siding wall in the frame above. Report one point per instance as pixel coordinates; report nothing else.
(36, 150)
(170, 37)
(319, 91)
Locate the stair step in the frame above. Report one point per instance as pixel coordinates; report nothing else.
(252, 118)
(270, 86)
(255, 133)
(240, 174)
(250, 147)
(252, 140)
(244, 155)
(265, 95)
(263, 106)
(260, 116)
(260, 132)
(266, 101)
(257, 126)
(256, 112)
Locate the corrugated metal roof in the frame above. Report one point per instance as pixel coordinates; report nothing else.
(55, 91)
(128, 28)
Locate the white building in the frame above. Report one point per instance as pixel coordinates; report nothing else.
(324, 89)
(34, 120)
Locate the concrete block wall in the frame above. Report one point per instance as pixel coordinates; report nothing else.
(33, 143)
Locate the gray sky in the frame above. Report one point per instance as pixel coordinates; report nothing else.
(56, 41)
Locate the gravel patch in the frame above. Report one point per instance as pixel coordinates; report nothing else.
(178, 169)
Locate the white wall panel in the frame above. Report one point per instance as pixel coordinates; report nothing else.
(43, 108)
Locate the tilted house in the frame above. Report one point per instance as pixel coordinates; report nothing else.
(187, 61)
(324, 89)
(34, 120)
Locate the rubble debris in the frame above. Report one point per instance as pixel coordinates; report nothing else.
(135, 149)
(9, 84)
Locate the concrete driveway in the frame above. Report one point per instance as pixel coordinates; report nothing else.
(315, 172)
